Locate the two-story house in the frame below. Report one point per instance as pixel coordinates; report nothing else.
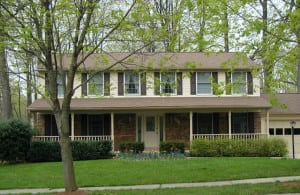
(154, 97)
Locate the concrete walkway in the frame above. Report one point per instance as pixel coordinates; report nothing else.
(159, 186)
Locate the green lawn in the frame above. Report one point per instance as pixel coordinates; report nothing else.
(131, 172)
(269, 188)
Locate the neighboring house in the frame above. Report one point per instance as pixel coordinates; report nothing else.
(154, 97)
(288, 110)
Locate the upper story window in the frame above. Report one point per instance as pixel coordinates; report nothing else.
(168, 83)
(132, 83)
(96, 84)
(60, 88)
(239, 80)
(204, 83)
(239, 83)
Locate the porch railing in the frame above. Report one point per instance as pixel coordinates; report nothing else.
(75, 138)
(244, 136)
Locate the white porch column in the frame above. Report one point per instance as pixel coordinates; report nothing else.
(268, 123)
(112, 130)
(72, 125)
(191, 126)
(229, 123)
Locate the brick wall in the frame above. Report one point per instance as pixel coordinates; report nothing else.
(41, 123)
(124, 128)
(177, 127)
(257, 122)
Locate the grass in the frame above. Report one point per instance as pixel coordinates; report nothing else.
(268, 188)
(137, 172)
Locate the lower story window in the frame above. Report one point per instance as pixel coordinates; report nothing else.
(242, 122)
(205, 123)
(94, 125)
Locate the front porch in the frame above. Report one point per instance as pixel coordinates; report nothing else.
(155, 127)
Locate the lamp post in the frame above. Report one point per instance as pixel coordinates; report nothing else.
(293, 124)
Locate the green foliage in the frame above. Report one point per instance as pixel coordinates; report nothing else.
(90, 150)
(238, 147)
(81, 150)
(170, 147)
(41, 151)
(15, 136)
(133, 147)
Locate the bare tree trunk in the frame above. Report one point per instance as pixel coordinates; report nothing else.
(226, 29)
(6, 105)
(267, 66)
(29, 84)
(66, 151)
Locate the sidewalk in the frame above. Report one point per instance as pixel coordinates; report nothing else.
(159, 186)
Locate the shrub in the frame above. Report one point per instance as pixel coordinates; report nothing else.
(90, 150)
(170, 147)
(44, 152)
(237, 147)
(81, 150)
(15, 136)
(132, 147)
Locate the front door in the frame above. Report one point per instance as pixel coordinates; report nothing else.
(152, 131)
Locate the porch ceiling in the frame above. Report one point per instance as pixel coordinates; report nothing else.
(144, 103)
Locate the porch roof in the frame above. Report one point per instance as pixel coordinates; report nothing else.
(287, 103)
(157, 103)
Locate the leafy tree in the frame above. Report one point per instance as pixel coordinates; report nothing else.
(58, 27)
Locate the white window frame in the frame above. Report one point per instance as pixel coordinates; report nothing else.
(125, 84)
(173, 85)
(237, 83)
(208, 82)
(92, 81)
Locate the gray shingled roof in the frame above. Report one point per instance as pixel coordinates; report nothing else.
(156, 103)
(157, 61)
(289, 103)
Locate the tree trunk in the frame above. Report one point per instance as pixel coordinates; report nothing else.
(267, 66)
(226, 29)
(4, 82)
(62, 121)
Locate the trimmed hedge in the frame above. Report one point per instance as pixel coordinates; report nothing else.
(132, 147)
(170, 147)
(239, 148)
(15, 136)
(81, 150)
(41, 151)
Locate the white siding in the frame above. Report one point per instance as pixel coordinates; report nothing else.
(186, 84)
(77, 81)
(256, 86)
(150, 83)
(113, 84)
